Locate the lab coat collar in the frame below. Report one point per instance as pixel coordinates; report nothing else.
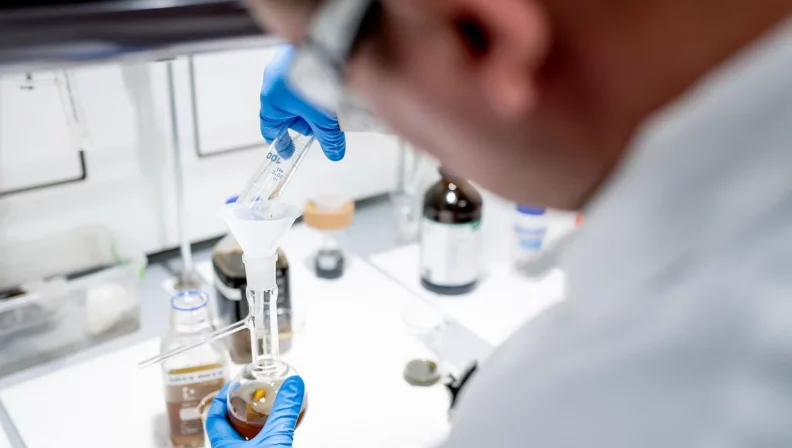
(699, 172)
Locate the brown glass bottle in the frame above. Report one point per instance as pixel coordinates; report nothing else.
(230, 284)
(451, 236)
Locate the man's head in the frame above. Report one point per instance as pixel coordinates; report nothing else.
(534, 99)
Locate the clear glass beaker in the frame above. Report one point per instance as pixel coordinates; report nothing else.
(285, 154)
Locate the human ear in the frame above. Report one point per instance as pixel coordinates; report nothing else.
(287, 18)
(506, 39)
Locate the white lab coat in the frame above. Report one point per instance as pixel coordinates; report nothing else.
(677, 331)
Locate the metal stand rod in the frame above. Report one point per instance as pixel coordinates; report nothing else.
(178, 176)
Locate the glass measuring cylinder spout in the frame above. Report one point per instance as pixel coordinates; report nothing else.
(285, 154)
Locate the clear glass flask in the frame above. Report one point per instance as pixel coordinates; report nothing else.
(255, 205)
(258, 223)
(190, 376)
(253, 390)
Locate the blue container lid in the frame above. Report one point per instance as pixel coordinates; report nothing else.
(190, 300)
(530, 210)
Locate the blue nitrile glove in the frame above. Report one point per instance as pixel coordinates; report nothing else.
(282, 108)
(278, 432)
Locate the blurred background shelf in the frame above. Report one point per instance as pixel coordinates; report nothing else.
(52, 305)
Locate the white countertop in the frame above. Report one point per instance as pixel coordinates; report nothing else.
(351, 354)
(501, 302)
(4, 442)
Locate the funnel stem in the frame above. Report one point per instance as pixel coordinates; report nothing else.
(264, 343)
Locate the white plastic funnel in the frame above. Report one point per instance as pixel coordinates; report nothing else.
(259, 239)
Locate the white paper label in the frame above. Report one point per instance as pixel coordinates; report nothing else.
(180, 379)
(450, 253)
(188, 414)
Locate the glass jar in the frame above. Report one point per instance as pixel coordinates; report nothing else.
(192, 375)
(329, 215)
(530, 229)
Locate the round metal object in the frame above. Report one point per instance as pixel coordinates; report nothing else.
(422, 372)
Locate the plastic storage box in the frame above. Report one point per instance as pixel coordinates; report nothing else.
(64, 293)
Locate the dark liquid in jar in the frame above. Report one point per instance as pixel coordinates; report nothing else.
(249, 430)
(329, 264)
(229, 269)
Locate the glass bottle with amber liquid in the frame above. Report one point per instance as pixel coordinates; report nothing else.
(192, 375)
(450, 236)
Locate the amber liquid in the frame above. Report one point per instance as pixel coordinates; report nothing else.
(189, 433)
(250, 430)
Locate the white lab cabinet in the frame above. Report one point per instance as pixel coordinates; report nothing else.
(39, 154)
(225, 101)
(128, 183)
(35, 143)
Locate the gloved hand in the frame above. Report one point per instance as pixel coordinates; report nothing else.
(278, 432)
(282, 108)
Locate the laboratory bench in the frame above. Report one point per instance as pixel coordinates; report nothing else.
(351, 351)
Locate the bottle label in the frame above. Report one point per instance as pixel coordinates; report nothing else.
(530, 239)
(191, 376)
(184, 390)
(450, 253)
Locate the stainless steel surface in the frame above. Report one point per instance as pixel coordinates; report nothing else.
(45, 34)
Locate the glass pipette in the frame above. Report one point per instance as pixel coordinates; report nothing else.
(218, 334)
